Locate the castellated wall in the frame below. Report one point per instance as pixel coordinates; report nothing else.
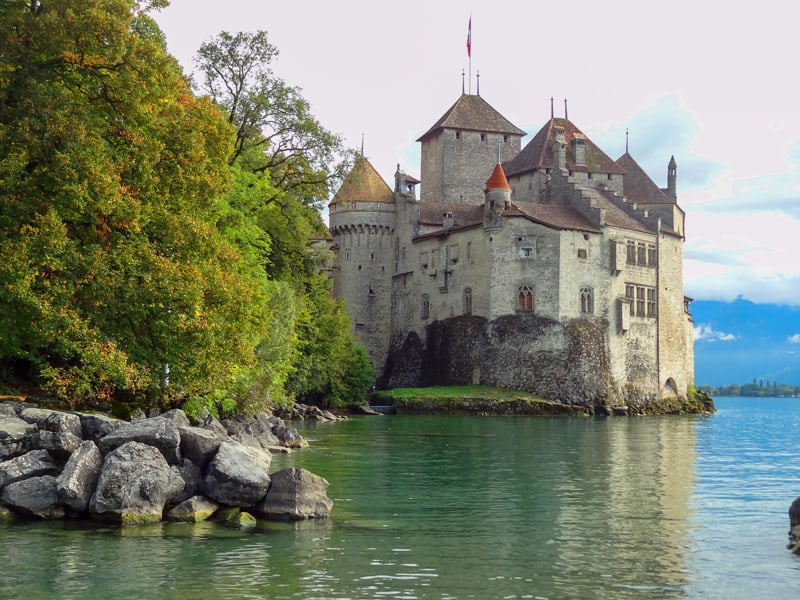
(457, 163)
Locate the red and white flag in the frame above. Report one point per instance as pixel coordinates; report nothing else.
(469, 38)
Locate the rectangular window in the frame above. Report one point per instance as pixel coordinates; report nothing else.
(651, 302)
(631, 260)
(652, 258)
(526, 252)
(641, 254)
(582, 253)
(640, 302)
(630, 291)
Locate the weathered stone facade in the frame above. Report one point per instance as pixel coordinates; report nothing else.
(556, 270)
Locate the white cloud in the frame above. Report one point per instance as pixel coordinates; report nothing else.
(793, 339)
(705, 333)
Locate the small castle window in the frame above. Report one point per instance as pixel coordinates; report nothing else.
(630, 291)
(641, 253)
(347, 254)
(582, 253)
(587, 301)
(651, 302)
(609, 176)
(458, 135)
(505, 138)
(631, 259)
(525, 298)
(426, 306)
(483, 137)
(652, 258)
(467, 301)
(640, 301)
(527, 252)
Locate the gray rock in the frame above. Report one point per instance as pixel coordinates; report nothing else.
(238, 475)
(248, 440)
(289, 437)
(177, 416)
(77, 481)
(296, 494)
(199, 445)
(14, 436)
(32, 464)
(158, 432)
(192, 481)
(193, 510)
(213, 425)
(10, 408)
(134, 485)
(59, 444)
(34, 497)
(96, 426)
(61, 422)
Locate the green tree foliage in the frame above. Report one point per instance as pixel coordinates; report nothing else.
(113, 272)
(284, 165)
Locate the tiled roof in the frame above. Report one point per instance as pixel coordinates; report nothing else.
(538, 153)
(498, 180)
(557, 217)
(637, 185)
(363, 184)
(473, 113)
(616, 216)
(432, 213)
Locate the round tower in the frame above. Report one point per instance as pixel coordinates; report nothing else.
(362, 223)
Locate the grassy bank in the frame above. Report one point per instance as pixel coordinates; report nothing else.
(474, 399)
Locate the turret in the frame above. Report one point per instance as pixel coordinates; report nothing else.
(672, 179)
(497, 198)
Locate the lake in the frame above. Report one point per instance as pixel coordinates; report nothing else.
(471, 507)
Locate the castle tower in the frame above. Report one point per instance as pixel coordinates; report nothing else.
(362, 223)
(458, 151)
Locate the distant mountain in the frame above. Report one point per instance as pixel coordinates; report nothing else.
(738, 341)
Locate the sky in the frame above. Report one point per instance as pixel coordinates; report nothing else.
(714, 84)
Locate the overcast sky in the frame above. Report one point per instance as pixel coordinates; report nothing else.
(714, 84)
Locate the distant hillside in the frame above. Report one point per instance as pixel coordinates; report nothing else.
(738, 341)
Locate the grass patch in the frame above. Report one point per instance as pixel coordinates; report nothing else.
(471, 399)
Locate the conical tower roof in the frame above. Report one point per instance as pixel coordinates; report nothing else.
(363, 184)
(473, 113)
(498, 179)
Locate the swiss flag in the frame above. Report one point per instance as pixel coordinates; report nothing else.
(469, 38)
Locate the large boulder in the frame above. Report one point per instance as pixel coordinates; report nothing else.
(134, 485)
(199, 445)
(177, 416)
(193, 510)
(96, 426)
(794, 526)
(32, 464)
(34, 497)
(52, 420)
(14, 436)
(238, 475)
(157, 432)
(192, 481)
(296, 494)
(77, 481)
(289, 436)
(60, 444)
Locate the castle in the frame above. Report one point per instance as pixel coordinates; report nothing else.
(550, 268)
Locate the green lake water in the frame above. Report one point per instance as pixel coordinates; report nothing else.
(469, 507)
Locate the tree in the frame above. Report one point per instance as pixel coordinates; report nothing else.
(114, 274)
(284, 165)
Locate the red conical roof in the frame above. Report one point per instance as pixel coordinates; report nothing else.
(498, 180)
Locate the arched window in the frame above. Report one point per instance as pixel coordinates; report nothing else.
(587, 301)
(426, 306)
(525, 298)
(467, 301)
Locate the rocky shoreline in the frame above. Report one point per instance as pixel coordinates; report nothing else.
(56, 464)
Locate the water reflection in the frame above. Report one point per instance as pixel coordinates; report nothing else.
(461, 508)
